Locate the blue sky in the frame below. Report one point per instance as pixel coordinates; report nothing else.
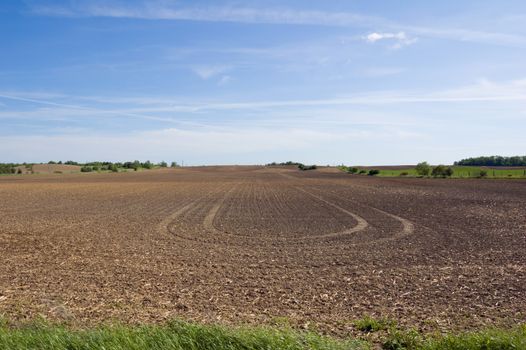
(245, 82)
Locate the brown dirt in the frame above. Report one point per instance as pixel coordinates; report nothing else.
(249, 244)
(49, 169)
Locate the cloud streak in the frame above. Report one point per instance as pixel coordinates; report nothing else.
(207, 72)
(482, 91)
(400, 39)
(155, 10)
(201, 146)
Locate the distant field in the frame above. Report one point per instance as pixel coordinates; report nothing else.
(459, 171)
(48, 169)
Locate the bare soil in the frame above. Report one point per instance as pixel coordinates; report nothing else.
(48, 169)
(255, 245)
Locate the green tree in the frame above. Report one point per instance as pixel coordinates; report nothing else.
(423, 169)
(147, 165)
(442, 170)
(136, 165)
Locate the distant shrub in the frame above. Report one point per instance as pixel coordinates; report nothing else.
(86, 169)
(163, 164)
(147, 165)
(363, 172)
(174, 165)
(442, 171)
(373, 172)
(404, 173)
(284, 163)
(352, 170)
(307, 167)
(483, 173)
(423, 169)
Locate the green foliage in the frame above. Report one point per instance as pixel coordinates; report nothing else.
(363, 171)
(442, 171)
(307, 167)
(493, 161)
(492, 339)
(369, 324)
(8, 168)
(174, 165)
(183, 335)
(284, 163)
(423, 169)
(163, 164)
(483, 173)
(352, 170)
(401, 340)
(373, 172)
(174, 335)
(86, 169)
(113, 168)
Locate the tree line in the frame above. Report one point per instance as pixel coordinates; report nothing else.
(8, 168)
(114, 167)
(11, 168)
(424, 169)
(300, 166)
(493, 161)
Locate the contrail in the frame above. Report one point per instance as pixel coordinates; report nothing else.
(49, 103)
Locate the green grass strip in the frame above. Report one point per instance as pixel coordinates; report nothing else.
(491, 339)
(191, 336)
(174, 335)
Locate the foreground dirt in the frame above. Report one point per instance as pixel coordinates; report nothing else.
(256, 245)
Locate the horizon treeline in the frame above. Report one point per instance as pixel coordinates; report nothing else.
(493, 161)
(11, 168)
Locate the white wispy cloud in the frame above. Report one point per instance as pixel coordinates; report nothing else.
(204, 144)
(86, 109)
(400, 39)
(145, 107)
(225, 79)
(162, 10)
(210, 71)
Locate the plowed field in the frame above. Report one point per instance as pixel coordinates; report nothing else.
(251, 244)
